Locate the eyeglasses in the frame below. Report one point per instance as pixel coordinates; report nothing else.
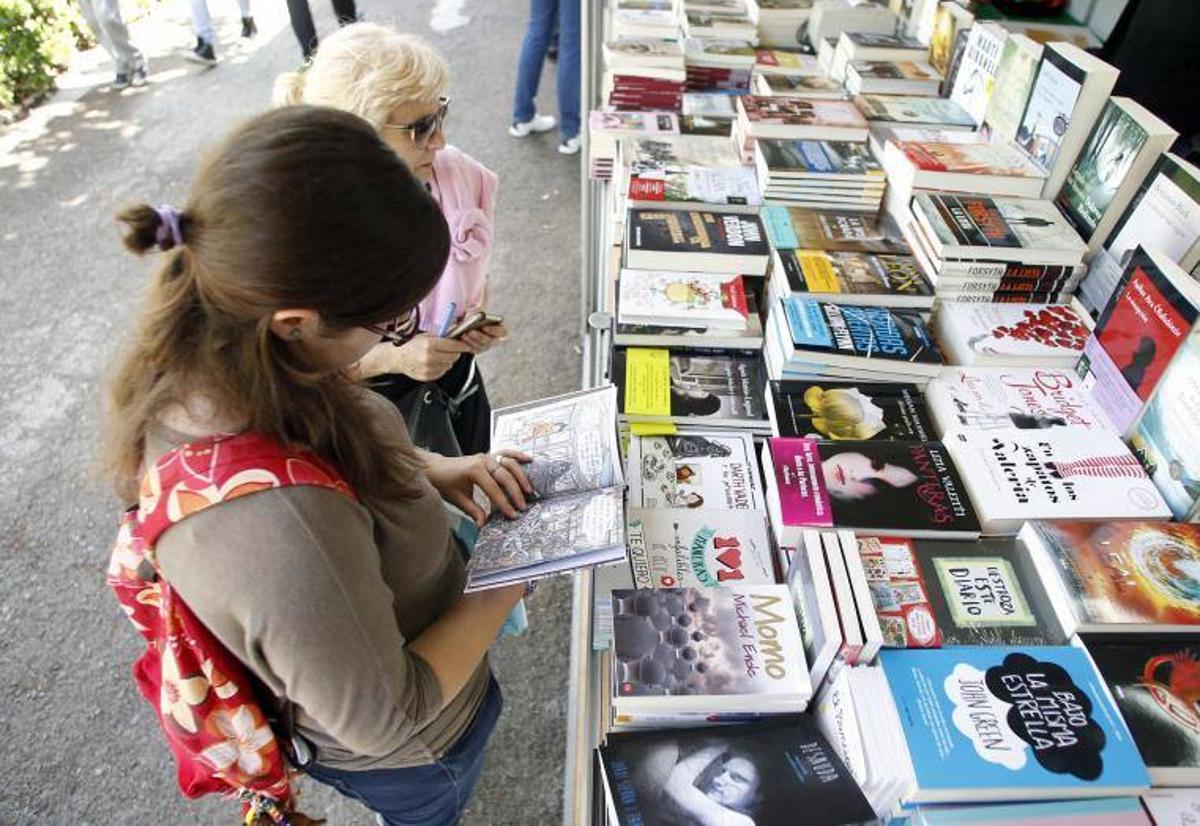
(399, 330)
(422, 130)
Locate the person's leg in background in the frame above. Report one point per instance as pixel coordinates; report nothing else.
(568, 76)
(203, 51)
(302, 24)
(345, 11)
(104, 19)
(249, 29)
(525, 119)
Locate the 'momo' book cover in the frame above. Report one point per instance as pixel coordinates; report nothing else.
(996, 722)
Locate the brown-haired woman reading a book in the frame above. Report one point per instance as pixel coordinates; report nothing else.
(344, 600)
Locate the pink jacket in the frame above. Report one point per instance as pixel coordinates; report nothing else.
(466, 191)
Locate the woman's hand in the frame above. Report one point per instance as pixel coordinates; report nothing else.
(498, 475)
(485, 338)
(423, 358)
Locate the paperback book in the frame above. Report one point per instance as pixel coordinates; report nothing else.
(975, 81)
(885, 77)
(821, 161)
(688, 169)
(807, 578)
(805, 86)
(1010, 335)
(577, 518)
(1014, 77)
(1065, 473)
(734, 649)
(910, 110)
(690, 387)
(695, 240)
(699, 469)
(901, 488)
(846, 410)
(1022, 230)
(853, 278)
(682, 299)
(685, 548)
(790, 228)
(1013, 398)
(973, 168)
(799, 118)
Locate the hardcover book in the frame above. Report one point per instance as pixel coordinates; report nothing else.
(711, 650)
(1153, 682)
(847, 410)
(697, 387)
(791, 228)
(852, 278)
(997, 722)
(696, 240)
(684, 548)
(929, 593)
(1132, 577)
(1065, 473)
(750, 773)
(902, 488)
(1013, 398)
(577, 517)
(699, 469)
(1023, 230)
(1014, 77)
(1010, 335)
(682, 298)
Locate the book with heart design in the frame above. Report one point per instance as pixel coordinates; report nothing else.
(698, 548)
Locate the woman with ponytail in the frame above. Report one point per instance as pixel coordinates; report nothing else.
(303, 242)
(399, 84)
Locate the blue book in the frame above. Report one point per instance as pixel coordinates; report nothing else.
(988, 723)
(1109, 811)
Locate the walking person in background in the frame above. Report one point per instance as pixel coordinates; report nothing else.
(544, 15)
(302, 22)
(203, 51)
(399, 84)
(104, 19)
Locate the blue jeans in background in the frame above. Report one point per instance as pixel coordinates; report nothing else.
(542, 16)
(433, 795)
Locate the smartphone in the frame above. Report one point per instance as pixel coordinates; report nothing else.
(474, 321)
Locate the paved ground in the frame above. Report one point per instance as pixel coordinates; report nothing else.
(78, 747)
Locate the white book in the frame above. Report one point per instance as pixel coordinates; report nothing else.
(812, 593)
(868, 620)
(892, 78)
(835, 716)
(976, 78)
(832, 17)
(683, 299)
(979, 226)
(855, 45)
(1064, 473)
(973, 168)
(853, 638)
(1014, 77)
(683, 548)
(1010, 335)
(1068, 93)
(694, 469)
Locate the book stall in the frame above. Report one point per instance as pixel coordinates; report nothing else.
(895, 306)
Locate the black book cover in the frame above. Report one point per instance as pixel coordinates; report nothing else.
(757, 773)
(703, 231)
(851, 410)
(1156, 683)
(706, 384)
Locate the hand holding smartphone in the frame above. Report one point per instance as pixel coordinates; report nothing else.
(474, 321)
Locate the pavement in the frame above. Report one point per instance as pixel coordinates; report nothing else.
(79, 746)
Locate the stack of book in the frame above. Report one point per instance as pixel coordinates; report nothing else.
(780, 22)
(658, 19)
(606, 129)
(819, 174)
(644, 73)
(678, 171)
(719, 65)
(796, 118)
(830, 18)
(887, 77)
(869, 46)
(721, 19)
(803, 86)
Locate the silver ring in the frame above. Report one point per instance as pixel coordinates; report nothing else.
(499, 463)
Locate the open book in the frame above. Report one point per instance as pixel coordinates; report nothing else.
(577, 516)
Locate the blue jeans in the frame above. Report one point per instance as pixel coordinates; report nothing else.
(432, 795)
(542, 17)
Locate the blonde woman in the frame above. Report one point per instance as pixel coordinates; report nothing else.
(399, 84)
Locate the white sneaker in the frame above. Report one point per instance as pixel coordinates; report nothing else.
(539, 123)
(570, 146)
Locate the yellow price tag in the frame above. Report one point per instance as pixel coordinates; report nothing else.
(647, 382)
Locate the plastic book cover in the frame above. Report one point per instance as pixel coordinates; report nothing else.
(1127, 574)
(901, 487)
(819, 158)
(930, 593)
(699, 469)
(913, 110)
(1050, 108)
(797, 111)
(1022, 333)
(688, 649)
(825, 229)
(983, 223)
(694, 231)
(848, 410)
(818, 327)
(1014, 77)
(1156, 683)
(683, 298)
(969, 159)
(663, 383)
(683, 548)
(1020, 398)
(1063, 473)
(1165, 436)
(750, 773)
(854, 273)
(1027, 721)
(1100, 168)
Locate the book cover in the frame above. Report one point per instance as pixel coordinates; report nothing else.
(1013, 398)
(900, 487)
(1173, 807)
(855, 274)
(913, 110)
(819, 158)
(798, 86)
(684, 548)
(807, 579)
(988, 722)
(894, 70)
(1010, 334)
(709, 105)
(782, 61)
(1165, 436)
(695, 231)
(930, 593)
(689, 169)
(1064, 473)
(1107, 811)
(797, 111)
(633, 123)
(978, 226)
(881, 333)
(969, 159)
(654, 383)
(848, 410)
(976, 78)
(1101, 168)
(748, 773)
(1014, 77)
(1154, 682)
(700, 469)
(734, 648)
(823, 229)
(683, 298)
(1125, 575)
(1056, 87)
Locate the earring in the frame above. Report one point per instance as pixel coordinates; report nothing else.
(294, 334)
